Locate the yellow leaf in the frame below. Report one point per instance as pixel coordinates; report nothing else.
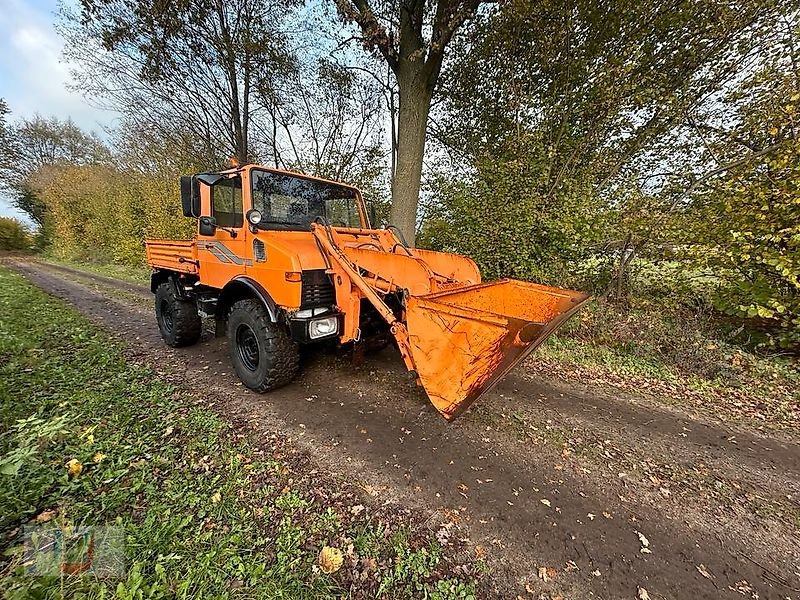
(330, 559)
(216, 498)
(74, 467)
(98, 457)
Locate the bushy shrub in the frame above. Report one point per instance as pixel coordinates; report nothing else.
(14, 235)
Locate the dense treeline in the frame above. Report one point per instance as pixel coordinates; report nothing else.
(647, 153)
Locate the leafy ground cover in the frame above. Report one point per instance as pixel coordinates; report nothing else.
(94, 439)
(678, 357)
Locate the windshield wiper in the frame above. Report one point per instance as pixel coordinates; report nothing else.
(278, 222)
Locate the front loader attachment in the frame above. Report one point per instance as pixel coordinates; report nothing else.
(459, 336)
(462, 342)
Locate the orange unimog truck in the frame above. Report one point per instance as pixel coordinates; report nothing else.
(282, 259)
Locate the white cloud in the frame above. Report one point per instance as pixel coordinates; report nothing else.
(33, 76)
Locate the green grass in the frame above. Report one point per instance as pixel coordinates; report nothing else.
(205, 514)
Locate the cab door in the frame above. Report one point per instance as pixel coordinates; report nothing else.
(224, 255)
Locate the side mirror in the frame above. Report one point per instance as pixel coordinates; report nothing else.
(208, 225)
(190, 196)
(373, 219)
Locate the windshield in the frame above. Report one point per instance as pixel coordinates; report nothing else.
(291, 202)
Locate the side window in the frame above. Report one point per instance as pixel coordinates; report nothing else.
(226, 202)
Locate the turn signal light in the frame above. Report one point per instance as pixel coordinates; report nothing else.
(293, 276)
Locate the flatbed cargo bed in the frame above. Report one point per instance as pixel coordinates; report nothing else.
(173, 255)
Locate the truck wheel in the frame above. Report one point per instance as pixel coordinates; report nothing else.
(178, 320)
(262, 353)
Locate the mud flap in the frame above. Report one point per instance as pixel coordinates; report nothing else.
(464, 341)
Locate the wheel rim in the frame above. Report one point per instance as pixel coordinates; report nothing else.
(247, 346)
(166, 316)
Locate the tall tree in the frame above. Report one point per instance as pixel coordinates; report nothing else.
(412, 36)
(587, 104)
(197, 66)
(29, 145)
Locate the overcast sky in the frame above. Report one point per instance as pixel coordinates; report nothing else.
(33, 79)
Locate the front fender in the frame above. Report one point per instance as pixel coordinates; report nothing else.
(243, 287)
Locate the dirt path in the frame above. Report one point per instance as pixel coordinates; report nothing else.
(539, 475)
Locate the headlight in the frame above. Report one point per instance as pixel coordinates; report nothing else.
(319, 328)
(254, 217)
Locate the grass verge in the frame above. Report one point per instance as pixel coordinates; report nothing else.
(676, 359)
(138, 275)
(93, 439)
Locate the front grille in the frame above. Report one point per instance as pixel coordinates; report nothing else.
(317, 289)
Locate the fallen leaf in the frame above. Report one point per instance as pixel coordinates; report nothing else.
(704, 571)
(596, 572)
(74, 468)
(645, 549)
(543, 574)
(545, 501)
(480, 552)
(216, 498)
(45, 516)
(591, 516)
(98, 457)
(642, 594)
(330, 559)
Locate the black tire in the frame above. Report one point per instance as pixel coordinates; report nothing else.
(177, 318)
(263, 355)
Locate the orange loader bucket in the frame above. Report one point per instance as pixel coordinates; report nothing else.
(464, 341)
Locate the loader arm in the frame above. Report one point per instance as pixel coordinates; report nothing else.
(459, 337)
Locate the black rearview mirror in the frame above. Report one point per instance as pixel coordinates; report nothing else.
(190, 196)
(208, 225)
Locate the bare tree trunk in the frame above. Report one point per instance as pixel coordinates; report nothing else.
(415, 103)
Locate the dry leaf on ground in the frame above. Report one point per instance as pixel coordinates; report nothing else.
(704, 571)
(642, 594)
(645, 549)
(45, 516)
(74, 467)
(330, 559)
